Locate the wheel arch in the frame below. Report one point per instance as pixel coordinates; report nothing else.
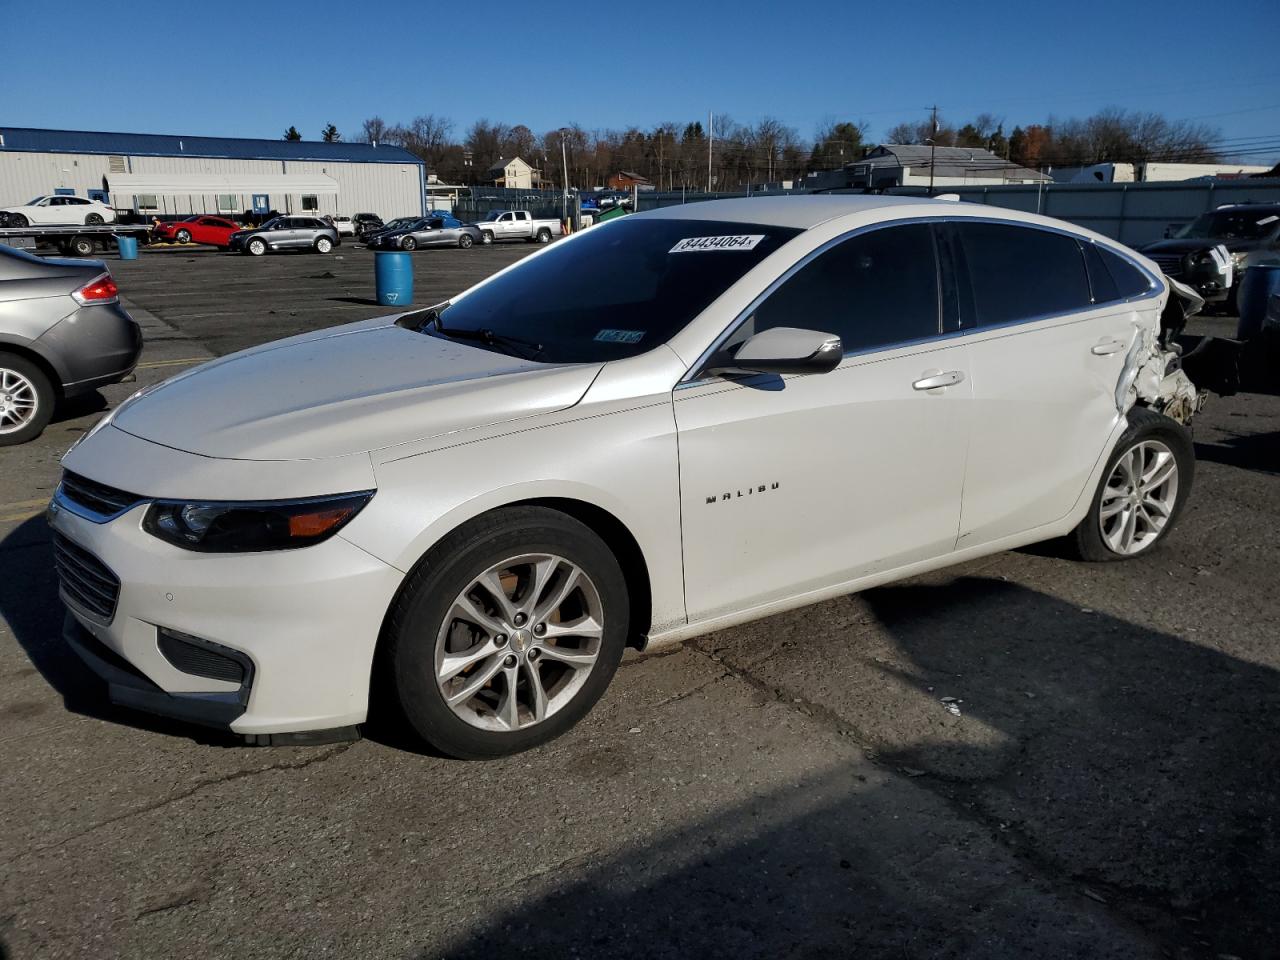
(56, 378)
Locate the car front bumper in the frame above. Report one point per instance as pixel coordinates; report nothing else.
(304, 622)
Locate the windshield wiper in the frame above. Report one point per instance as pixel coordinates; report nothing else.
(513, 345)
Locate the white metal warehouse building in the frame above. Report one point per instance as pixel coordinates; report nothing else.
(156, 174)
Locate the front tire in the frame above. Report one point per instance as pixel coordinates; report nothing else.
(1143, 490)
(507, 633)
(408, 244)
(183, 236)
(486, 237)
(256, 248)
(466, 241)
(18, 220)
(26, 400)
(81, 246)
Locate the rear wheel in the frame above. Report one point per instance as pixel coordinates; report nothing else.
(465, 241)
(183, 236)
(544, 235)
(507, 633)
(323, 245)
(1142, 492)
(256, 247)
(93, 219)
(26, 400)
(81, 246)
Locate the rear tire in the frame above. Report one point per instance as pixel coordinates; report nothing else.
(81, 246)
(93, 220)
(27, 399)
(427, 623)
(1126, 520)
(323, 245)
(544, 235)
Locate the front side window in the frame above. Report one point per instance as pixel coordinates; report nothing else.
(1020, 273)
(874, 290)
(615, 291)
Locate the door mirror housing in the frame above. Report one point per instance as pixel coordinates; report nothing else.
(782, 350)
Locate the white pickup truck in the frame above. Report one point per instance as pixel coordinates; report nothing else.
(517, 225)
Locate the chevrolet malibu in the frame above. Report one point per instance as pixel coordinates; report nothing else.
(463, 515)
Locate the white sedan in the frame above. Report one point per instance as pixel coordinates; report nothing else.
(57, 210)
(755, 405)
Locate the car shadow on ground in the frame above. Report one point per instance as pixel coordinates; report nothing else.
(1121, 769)
(30, 604)
(1249, 451)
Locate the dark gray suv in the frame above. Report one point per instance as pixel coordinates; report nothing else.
(286, 233)
(62, 333)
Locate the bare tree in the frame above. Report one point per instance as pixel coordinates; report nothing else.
(374, 130)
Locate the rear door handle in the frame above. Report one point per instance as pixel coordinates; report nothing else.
(1104, 347)
(936, 380)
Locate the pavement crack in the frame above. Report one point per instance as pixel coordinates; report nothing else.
(195, 788)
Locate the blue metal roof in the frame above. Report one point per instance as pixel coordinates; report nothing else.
(32, 140)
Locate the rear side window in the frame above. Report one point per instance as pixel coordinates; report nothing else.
(876, 289)
(1129, 280)
(1100, 279)
(1019, 273)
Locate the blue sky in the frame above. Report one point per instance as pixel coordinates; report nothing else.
(252, 69)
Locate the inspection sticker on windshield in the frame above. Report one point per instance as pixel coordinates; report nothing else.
(747, 241)
(619, 336)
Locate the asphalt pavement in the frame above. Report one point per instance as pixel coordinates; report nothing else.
(1019, 756)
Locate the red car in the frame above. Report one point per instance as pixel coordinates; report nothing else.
(214, 231)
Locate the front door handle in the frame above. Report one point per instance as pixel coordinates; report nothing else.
(1105, 347)
(935, 381)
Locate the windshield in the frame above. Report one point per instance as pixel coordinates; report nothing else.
(276, 224)
(33, 201)
(1233, 224)
(616, 291)
(494, 214)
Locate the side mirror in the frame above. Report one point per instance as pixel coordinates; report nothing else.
(783, 350)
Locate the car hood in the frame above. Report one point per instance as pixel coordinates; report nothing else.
(347, 390)
(1189, 245)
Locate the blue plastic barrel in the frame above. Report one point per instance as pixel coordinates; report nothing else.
(1259, 284)
(393, 276)
(128, 247)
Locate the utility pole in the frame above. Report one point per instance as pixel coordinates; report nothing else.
(933, 146)
(564, 165)
(711, 139)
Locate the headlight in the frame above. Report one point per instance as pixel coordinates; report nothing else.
(1240, 260)
(223, 527)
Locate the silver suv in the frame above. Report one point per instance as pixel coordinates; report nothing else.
(286, 233)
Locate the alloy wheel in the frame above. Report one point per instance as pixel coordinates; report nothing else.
(1139, 497)
(18, 401)
(519, 642)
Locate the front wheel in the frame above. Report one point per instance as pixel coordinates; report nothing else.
(323, 245)
(18, 220)
(183, 236)
(408, 243)
(256, 248)
(26, 400)
(465, 241)
(1142, 492)
(486, 237)
(507, 633)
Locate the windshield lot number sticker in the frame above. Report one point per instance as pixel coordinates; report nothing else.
(711, 244)
(619, 336)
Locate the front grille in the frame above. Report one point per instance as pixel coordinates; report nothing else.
(97, 497)
(199, 659)
(86, 582)
(1170, 264)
